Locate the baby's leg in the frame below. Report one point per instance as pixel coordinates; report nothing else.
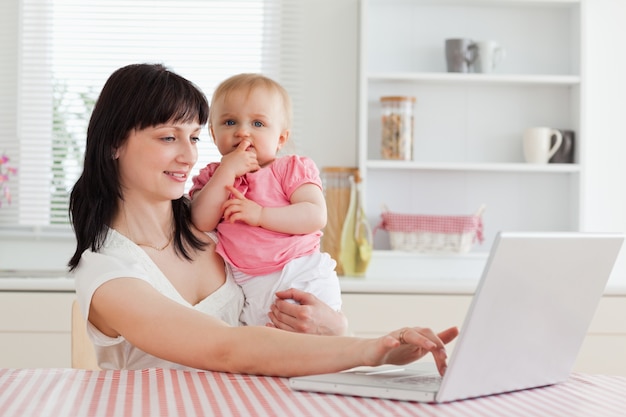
(315, 274)
(259, 295)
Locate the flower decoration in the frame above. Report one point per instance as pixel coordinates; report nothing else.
(6, 171)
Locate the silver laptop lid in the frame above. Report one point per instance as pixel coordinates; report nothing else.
(528, 318)
(530, 313)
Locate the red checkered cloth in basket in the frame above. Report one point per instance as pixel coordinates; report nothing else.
(410, 223)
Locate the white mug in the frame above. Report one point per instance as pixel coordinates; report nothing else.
(488, 55)
(536, 144)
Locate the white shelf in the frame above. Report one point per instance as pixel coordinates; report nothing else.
(541, 3)
(468, 127)
(471, 78)
(479, 167)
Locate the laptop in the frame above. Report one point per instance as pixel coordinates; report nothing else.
(527, 321)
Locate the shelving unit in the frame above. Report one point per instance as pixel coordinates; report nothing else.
(442, 166)
(468, 78)
(468, 127)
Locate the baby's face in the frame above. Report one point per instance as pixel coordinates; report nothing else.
(256, 116)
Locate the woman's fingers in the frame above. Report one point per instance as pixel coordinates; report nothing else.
(427, 340)
(448, 335)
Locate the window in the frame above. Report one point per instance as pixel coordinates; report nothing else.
(67, 49)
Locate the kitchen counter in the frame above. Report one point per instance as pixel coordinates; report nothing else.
(37, 284)
(36, 280)
(389, 272)
(462, 286)
(349, 285)
(408, 286)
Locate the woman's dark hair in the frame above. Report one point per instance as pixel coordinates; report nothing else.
(134, 97)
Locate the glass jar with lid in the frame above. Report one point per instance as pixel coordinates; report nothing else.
(397, 127)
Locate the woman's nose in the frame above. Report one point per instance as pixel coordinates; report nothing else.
(188, 153)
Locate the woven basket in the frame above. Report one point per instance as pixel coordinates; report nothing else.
(430, 233)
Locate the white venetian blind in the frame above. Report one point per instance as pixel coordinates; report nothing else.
(67, 49)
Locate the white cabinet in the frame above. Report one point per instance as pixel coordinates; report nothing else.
(35, 326)
(35, 329)
(468, 127)
(371, 315)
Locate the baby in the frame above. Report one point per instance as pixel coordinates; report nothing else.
(268, 210)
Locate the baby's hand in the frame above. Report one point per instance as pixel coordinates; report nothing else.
(241, 161)
(239, 208)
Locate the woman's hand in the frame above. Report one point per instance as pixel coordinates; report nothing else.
(410, 344)
(308, 315)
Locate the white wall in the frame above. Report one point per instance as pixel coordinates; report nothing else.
(328, 133)
(328, 120)
(604, 72)
(329, 116)
(605, 102)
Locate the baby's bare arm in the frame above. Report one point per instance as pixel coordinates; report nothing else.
(206, 206)
(305, 214)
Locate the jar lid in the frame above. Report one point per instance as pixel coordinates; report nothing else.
(398, 98)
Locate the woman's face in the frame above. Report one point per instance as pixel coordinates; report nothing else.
(156, 162)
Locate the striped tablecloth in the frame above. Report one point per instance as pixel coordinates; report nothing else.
(159, 392)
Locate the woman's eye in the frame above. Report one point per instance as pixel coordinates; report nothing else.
(168, 139)
(258, 124)
(195, 139)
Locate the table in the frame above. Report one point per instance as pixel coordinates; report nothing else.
(164, 392)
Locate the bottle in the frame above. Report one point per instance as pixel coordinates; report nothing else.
(337, 191)
(356, 234)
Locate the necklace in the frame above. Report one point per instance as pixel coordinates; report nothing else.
(147, 245)
(157, 248)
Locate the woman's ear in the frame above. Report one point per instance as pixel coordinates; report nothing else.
(116, 153)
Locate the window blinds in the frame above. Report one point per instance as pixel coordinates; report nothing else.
(67, 49)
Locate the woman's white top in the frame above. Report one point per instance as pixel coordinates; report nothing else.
(120, 257)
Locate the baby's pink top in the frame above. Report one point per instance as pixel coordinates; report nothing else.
(255, 250)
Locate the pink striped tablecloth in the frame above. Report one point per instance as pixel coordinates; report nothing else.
(162, 392)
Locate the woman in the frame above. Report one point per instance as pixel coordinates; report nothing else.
(153, 289)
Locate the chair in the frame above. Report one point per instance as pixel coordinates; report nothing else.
(83, 353)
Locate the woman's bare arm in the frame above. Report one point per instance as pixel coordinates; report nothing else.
(171, 331)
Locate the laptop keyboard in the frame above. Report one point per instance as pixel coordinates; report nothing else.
(421, 381)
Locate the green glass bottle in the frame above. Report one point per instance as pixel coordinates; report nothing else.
(356, 234)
